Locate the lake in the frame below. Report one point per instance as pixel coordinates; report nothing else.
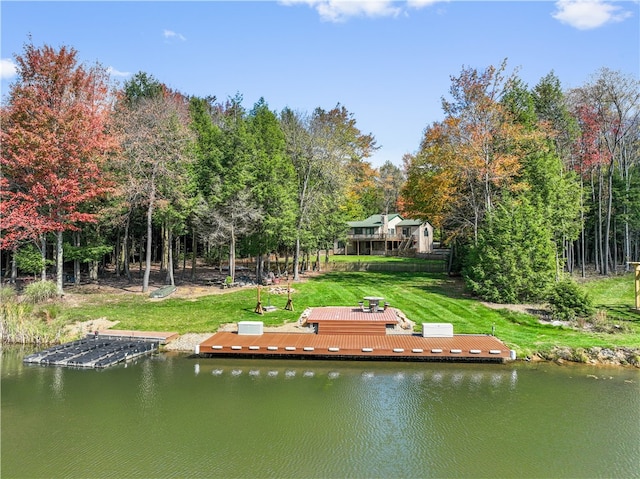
(170, 415)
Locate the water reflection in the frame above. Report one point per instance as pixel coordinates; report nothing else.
(57, 386)
(446, 377)
(147, 386)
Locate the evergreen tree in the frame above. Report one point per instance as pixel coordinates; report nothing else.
(514, 258)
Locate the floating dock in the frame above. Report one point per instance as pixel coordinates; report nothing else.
(347, 333)
(101, 350)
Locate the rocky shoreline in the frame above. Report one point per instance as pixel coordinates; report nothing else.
(629, 357)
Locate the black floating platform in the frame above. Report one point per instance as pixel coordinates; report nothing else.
(92, 352)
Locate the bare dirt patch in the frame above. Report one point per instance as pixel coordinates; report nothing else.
(88, 327)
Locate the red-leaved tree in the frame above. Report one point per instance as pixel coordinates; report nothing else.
(54, 139)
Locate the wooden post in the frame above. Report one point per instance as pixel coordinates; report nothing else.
(636, 265)
(259, 309)
(289, 306)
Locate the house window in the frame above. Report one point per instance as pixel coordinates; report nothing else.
(426, 232)
(357, 231)
(370, 231)
(392, 231)
(406, 231)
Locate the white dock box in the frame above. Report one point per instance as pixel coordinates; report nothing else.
(254, 328)
(437, 330)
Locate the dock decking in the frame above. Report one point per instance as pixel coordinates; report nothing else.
(359, 334)
(465, 348)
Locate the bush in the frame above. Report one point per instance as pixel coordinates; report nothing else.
(7, 294)
(40, 291)
(29, 259)
(569, 302)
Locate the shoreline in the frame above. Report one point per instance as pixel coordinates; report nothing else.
(595, 356)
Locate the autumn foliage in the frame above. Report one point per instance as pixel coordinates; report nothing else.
(53, 141)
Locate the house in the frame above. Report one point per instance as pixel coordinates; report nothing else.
(387, 235)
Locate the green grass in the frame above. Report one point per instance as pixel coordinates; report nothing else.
(340, 258)
(614, 294)
(423, 297)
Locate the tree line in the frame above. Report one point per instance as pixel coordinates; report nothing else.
(523, 183)
(529, 183)
(143, 171)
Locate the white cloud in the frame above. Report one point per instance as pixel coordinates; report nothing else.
(342, 10)
(117, 73)
(588, 14)
(171, 35)
(8, 69)
(423, 3)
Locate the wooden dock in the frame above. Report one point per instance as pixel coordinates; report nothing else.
(157, 336)
(413, 347)
(353, 333)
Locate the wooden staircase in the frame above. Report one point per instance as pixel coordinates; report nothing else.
(352, 327)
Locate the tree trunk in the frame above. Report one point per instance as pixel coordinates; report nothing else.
(125, 248)
(170, 276)
(601, 252)
(59, 265)
(147, 268)
(582, 245)
(232, 255)
(118, 254)
(278, 263)
(194, 250)
(43, 253)
(296, 260)
(286, 262)
(14, 266)
(607, 235)
(76, 262)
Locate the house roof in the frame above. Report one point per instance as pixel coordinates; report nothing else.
(410, 223)
(372, 221)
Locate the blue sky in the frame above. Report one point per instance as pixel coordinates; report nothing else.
(389, 63)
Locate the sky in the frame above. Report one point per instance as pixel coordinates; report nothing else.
(389, 63)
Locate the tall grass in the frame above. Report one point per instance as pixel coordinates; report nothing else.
(23, 322)
(40, 291)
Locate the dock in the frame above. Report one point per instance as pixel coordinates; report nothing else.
(348, 333)
(101, 349)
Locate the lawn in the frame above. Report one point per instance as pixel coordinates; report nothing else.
(423, 297)
(341, 258)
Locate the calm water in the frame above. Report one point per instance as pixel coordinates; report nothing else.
(173, 416)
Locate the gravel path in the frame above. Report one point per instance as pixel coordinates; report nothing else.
(187, 342)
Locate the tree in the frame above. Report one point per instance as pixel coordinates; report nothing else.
(469, 159)
(320, 148)
(156, 142)
(390, 181)
(484, 134)
(273, 186)
(610, 107)
(54, 139)
(550, 189)
(524, 270)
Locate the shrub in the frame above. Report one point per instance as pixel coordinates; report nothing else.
(40, 291)
(569, 302)
(7, 294)
(29, 259)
